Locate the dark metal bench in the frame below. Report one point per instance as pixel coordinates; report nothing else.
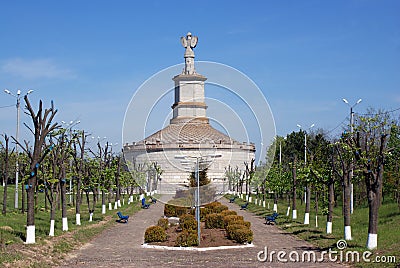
(232, 199)
(244, 207)
(144, 205)
(271, 219)
(122, 218)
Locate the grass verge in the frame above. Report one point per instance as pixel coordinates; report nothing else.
(388, 229)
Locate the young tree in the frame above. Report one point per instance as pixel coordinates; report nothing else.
(42, 122)
(79, 162)
(345, 172)
(5, 174)
(370, 149)
(392, 164)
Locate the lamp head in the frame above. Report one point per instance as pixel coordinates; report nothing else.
(18, 92)
(345, 101)
(29, 91)
(359, 101)
(7, 91)
(299, 126)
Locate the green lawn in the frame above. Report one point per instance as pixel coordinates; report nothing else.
(13, 226)
(388, 229)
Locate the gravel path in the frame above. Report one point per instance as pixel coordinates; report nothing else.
(120, 246)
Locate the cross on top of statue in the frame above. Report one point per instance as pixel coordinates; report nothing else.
(189, 42)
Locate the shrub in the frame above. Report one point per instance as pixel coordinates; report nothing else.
(203, 213)
(246, 223)
(188, 222)
(242, 235)
(186, 239)
(212, 205)
(163, 223)
(181, 211)
(214, 220)
(174, 211)
(155, 234)
(220, 208)
(231, 228)
(228, 212)
(230, 219)
(169, 210)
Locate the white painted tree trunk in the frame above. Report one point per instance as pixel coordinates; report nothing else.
(30, 234)
(52, 222)
(307, 218)
(275, 207)
(91, 217)
(268, 205)
(119, 202)
(115, 205)
(250, 199)
(316, 221)
(78, 219)
(264, 203)
(103, 209)
(65, 224)
(372, 242)
(347, 233)
(328, 227)
(288, 211)
(109, 206)
(123, 202)
(255, 201)
(294, 212)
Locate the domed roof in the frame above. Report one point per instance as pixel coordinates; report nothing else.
(189, 133)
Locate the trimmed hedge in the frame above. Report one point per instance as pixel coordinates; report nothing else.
(212, 205)
(231, 219)
(203, 213)
(188, 222)
(164, 223)
(220, 208)
(228, 212)
(155, 234)
(174, 211)
(231, 228)
(186, 239)
(242, 235)
(214, 220)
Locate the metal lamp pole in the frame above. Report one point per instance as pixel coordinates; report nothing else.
(69, 128)
(351, 133)
(305, 154)
(197, 194)
(18, 97)
(198, 201)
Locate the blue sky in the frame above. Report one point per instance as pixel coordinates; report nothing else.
(305, 56)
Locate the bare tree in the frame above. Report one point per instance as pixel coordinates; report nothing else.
(42, 123)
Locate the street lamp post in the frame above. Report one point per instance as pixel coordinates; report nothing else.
(351, 133)
(199, 159)
(306, 194)
(18, 97)
(69, 128)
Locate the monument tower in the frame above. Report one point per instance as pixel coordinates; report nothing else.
(189, 133)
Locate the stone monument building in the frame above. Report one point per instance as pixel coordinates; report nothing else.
(189, 134)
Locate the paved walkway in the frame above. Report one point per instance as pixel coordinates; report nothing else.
(120, 246)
